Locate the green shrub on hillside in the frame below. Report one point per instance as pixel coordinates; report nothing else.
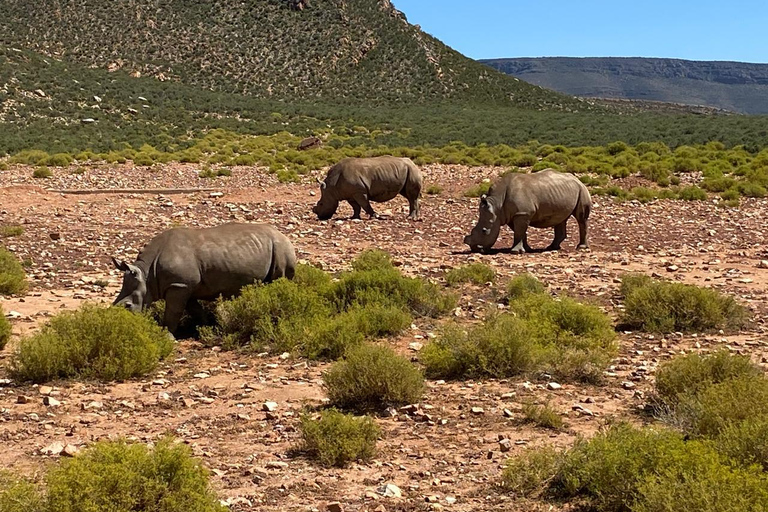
(524, 284)
(115, 475)
(93, 343)
(372, 259)
(42, 172)
(13, 280)
(659, 306)
(434, 190)
(543, 416)
(372, 377)
(692, 193)
(745, 442)
(475, 273)
(335, 439)
(478, 190)
(530, 473)
(11, 231)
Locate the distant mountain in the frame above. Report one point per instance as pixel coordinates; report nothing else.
(350, 51)
(735, 86)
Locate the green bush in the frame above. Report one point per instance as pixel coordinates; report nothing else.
(692, 373)
(524, 284)
(476, 273)
(745, 442)
(101, 343)
(478, 190)
(42, 172)
(372, 259)
(336, 439)
(11, 231)
(116, 476)
(543, 416)
(371, 377)
(434, 190)
(692, 193)
(715, 408)
(529, 474)
(17, 495)
(13, 280)
(5, 329)
(288, 176)
(568, 340)
(658, 306)
(59, 160)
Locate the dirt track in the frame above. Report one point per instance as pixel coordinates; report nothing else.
(213, 400)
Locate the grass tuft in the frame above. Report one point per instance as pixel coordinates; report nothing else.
(335, 438)
(475, 273)
(543, 416)
(13, 280)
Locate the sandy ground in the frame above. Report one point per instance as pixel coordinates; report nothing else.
(213, 400)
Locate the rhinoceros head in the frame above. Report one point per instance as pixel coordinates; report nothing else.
(327, 205)
(486, 231)
(134, 291)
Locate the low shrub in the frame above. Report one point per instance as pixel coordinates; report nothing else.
(372, 259)
(371, 377)
(478, 190)
(335, 439)
(59, 160)
(11, 231)
(692, 193)
(524, 284)
(13, 280)
(543, 416)
(18, 495)
(101, 343)
(5, 329)
(476, 273)
(692, 373)
(568, 340)
(42, 172)
(288, 176)
(529, 474)
(745, 442)
(659, 306)
(434, 190)
(715, 408)
(115, 475)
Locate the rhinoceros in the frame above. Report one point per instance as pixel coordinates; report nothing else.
(544, 199)
(182, 265)
(362, 180)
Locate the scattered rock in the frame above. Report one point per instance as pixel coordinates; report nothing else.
(477, 410)
(45, 390)
(334, 506)
(53, 449)
(554, 386)
(51, 402)
(390, 491)
(269, 406)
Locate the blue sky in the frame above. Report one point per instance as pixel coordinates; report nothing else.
(697, 30)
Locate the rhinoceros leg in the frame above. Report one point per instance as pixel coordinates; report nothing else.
(527, 247)
(519, 225)
(414, 209)
(176, 300)
(561, 233)
(583, 232)
(362, 200)
(355, 208)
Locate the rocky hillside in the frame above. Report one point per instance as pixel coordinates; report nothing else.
(348, 50)
(734, 86)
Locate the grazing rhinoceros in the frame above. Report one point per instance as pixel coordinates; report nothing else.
(361, 180)
(182, 265)
(543, 199)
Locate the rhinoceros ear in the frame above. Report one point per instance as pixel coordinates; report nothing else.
(322, 184)
(120, 265)
(484, 201)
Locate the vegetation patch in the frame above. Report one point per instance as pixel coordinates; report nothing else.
(115, 475)
(543, 416)
(478, 190)
(98, 343)
(321, 318)
(661, 306)
(335, 438)
(5, 329)
(566, 339)
(372, 377)
(42, 172)
(19, 495)
(13, 280)
(475, 273)
(524, 284)
(434, 190)
(11, 231)
(626, 468)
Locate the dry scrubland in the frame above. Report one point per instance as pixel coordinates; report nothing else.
(460, 381)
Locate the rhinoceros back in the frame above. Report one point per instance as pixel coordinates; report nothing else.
(219, 260)
(550, 195)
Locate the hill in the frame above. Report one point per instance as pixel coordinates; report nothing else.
(735, 86)
(347, 50)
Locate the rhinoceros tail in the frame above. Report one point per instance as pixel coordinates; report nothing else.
(283, 259)
(413, 180)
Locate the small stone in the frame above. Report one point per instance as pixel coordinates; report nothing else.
(477, 410)
(53, 449)
(45, 390)
(763, 264)
(673, 268)
(202, 375)
(93, 405)
(505, 445)
(450, 500)
(508, 413)
(70, 450)
(554, 386)
(216, 194)
(628, 385)
(40, 93)
(51, 402)
(334, 506)
(276, 464)
(21, 399)
(269, 406)
(583, 410)
(390, 491)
